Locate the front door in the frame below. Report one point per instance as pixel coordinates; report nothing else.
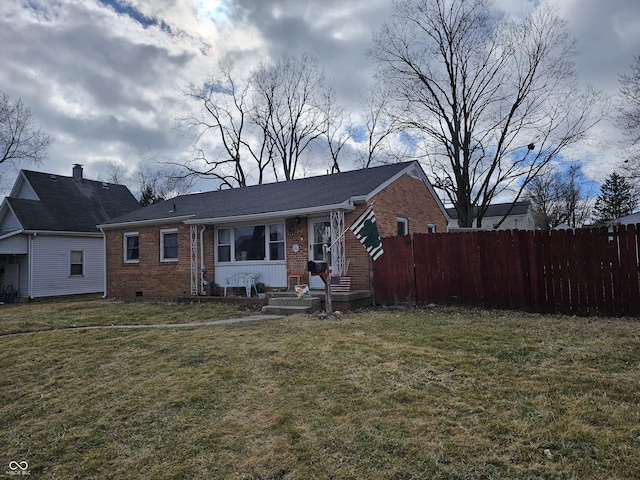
(319, 235)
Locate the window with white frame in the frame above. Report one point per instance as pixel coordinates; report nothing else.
(169, 245)
(76, 263)
(131, 247)
(276, 241)
(251, 243)
(224, 244)
(431, 228)
(403, 226)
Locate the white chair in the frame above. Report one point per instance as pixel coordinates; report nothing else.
(245, 280)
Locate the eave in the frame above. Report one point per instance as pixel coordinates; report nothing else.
(267, 215)
(145, 223)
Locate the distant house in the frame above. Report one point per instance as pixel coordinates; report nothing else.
(273, 230)
(631, 219)
(49, 240)
(520, 217)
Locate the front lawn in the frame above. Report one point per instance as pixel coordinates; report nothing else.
(91, 310)
(448, 394)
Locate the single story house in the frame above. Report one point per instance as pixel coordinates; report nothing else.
(179, 246)
(50, 244)
(520, 217)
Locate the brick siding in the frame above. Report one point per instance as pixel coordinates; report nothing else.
(407, 197)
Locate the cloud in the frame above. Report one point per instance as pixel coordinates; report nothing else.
(102, 76)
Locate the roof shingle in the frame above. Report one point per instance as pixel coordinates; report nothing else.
(299, 194)
(69, 205)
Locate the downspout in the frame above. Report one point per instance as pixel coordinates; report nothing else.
(202, 260)
(104, 258)
(30, 266)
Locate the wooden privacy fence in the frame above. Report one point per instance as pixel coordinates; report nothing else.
(585, 271)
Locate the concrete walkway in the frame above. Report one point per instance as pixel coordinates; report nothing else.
(205, 323)
(248, 318)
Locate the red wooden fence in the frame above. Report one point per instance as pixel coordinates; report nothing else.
(585, 271)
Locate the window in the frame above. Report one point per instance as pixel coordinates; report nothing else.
(403, 226)
(224, 245)
(431, 228)
(131, 247)
(76, 262)
(276, 242)
(169, 245)
(251, 243)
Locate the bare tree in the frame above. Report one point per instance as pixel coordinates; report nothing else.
(380, 125)
(20, 138)
(628, 118)
(220, 126)
(287, 105)
(494, 99)
(559, 196)
(152, 181)
(337, 127)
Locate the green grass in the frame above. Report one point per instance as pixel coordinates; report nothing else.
(448, 394)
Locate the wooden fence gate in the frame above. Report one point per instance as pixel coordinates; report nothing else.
(584, 271)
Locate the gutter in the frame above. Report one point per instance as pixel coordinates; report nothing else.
(145, 223)
(262, 216)
(62, 233)
(30, 265)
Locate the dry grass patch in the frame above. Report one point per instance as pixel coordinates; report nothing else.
(91, 310)
(440, 395)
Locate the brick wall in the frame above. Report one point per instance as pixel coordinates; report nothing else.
(150, 277)
(408, 198)
(297, 233)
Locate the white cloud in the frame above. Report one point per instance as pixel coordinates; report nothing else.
(104, 84)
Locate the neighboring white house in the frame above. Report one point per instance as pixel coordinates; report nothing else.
(49, 242)
(519, 217)
(631, 219)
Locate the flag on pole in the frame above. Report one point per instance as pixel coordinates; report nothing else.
(366, 230)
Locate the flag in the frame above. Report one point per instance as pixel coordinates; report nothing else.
(340, 283)
(366, 230)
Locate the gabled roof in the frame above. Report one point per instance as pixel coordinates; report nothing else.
(294, 197)
(498, 210)
(65, 204)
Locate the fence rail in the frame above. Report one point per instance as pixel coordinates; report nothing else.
(584, 271)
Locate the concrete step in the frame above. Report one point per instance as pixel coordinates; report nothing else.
(291, 305)
(287, 310)
(308, 302)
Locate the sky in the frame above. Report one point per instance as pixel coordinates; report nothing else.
(103, 77)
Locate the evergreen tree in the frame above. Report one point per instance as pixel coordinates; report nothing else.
(149, 197)
(617, 198)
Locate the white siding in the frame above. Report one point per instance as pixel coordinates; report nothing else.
(25, 191)
(50, 263)
(16, 245)
(23, 288)
(15, 273)
(273, 275)
(9, 223)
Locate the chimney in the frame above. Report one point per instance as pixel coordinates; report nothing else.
(77, 171)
